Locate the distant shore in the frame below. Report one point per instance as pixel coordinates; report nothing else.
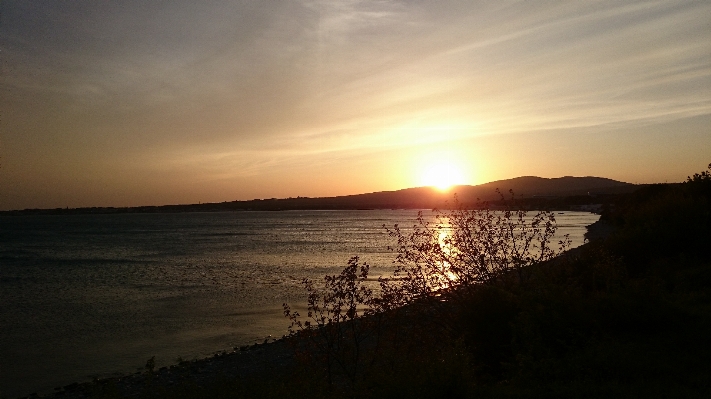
(565, 193)
(574, 203)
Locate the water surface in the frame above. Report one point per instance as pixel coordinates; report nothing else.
(86, 296)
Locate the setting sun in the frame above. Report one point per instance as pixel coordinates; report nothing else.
(442, 175)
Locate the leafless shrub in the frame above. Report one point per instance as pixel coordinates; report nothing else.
(332, 324)
(463, 247)
(436, 260)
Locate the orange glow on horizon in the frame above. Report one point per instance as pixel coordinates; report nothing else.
(442, 174)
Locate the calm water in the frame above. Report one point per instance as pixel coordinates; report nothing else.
(92, 295)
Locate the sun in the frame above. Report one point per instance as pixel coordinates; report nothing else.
(442, 175)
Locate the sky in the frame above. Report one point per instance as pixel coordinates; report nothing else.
(127, 103)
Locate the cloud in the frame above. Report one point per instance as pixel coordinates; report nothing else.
(255, 86)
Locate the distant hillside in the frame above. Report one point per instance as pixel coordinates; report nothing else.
(530, 188)
(526, 187)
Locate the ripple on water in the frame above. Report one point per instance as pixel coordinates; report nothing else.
(92, 295)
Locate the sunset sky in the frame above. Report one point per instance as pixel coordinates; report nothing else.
(123, 103)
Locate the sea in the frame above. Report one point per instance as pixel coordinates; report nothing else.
(95, 296)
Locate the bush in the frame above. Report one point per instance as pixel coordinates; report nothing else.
(333, 326)
(463, 247)
(424, 300)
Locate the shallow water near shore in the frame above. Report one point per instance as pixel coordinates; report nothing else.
(87, 296)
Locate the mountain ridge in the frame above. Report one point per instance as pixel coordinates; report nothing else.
(523, 187)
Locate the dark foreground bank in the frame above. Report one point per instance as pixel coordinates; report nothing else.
(197, 376)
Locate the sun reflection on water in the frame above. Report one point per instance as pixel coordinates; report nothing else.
(444, 239)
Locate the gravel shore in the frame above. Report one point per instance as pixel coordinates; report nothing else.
(243, 362)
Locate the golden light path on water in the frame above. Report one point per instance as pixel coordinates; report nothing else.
(444, 239)
(451, 247)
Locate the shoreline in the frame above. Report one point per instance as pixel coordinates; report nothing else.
(598, 230)
(241, 362)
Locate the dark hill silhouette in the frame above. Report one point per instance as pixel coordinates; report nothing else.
(526, 187)
(529, 186)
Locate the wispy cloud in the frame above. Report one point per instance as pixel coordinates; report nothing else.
(235, 88)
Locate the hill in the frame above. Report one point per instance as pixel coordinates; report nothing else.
(526, 187)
